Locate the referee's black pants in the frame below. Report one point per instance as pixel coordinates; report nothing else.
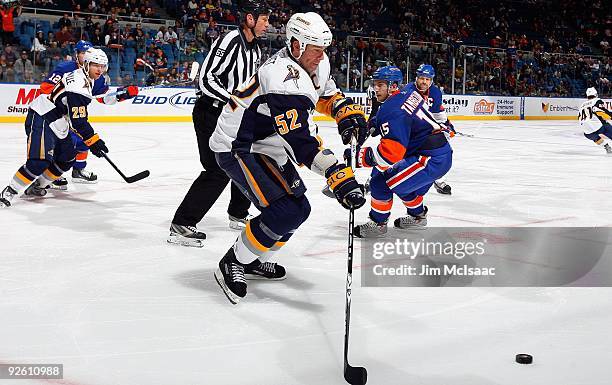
(207, 188)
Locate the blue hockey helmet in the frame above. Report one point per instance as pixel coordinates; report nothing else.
(390, 74)
(426, 71)
(82, 46)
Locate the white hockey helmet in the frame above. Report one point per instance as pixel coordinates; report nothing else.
(308, 28)
(95, 55)
(591, 91)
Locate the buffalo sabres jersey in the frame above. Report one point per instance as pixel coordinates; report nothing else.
(65, 107)
(100, 87)
(593, 114)
(272, 113)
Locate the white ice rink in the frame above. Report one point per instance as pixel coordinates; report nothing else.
(87, 279)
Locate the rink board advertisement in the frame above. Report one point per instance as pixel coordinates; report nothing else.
(176, 104)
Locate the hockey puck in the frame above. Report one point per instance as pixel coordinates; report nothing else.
(524, 358)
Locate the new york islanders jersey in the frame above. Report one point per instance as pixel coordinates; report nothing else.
(100, 86)
(272, 113)
(433, 100)
(407, 127)
(593, 114)
(65, 107)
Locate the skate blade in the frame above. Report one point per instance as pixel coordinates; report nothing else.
(57, 188)
(234, 299)
(237, 225)
(83, 181)
(374, 236)
(182, 241)
(419, 228)
(256, 277)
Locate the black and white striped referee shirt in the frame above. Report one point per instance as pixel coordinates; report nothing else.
(231, 61)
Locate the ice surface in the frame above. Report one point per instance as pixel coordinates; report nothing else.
(87, 279)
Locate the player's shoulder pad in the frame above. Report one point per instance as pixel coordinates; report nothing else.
(392, 107)
(66, 66)
(324, 68)
(282, 75)
(76, 82)
(435, 91)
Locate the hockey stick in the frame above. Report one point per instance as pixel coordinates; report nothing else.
(129, 179)
(462, 134)
(354, 375)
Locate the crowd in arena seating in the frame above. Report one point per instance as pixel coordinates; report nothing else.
(515, 48)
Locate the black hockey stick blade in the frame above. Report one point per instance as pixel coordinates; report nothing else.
(135, 178)
(128, 179)
(355, 375)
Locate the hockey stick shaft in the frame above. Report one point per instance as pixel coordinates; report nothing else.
(128, 179)
(352, 374)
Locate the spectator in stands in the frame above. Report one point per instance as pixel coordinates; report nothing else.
(228, 17)
(38, 46)
(212, 32)
(8, 14)
(6, 70)
(170, 37)
(160, 37)
(63, 35)
(160, 60)
(97, 39)
(64, 21)
(23, 68)
(113, 40)
(9, 55)
(141, 41)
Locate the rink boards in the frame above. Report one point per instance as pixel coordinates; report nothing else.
(176, 104)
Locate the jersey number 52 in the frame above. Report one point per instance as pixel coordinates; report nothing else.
(288, 117)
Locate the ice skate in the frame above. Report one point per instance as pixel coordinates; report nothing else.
(6, 196)
(34, 190)
(236, 223)
(370, 229)
(410, 222)
(186, 236)
(60, 184)
(230, 277)
(84, 176)
(443, 188)
(265, 271)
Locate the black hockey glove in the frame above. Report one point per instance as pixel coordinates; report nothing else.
(347, 191)
(127, 92)
(96, 146)
(351, 120)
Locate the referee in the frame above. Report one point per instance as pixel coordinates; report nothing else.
(232, 59)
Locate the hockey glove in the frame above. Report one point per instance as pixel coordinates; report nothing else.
(451, 129)
(347, 191)
(351, 120)
(373, 128)
(125, 93)
(365, 157)
(96, 145)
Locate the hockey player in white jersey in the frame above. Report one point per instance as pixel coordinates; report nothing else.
(596, 120)
(266, 127)
(51, 151)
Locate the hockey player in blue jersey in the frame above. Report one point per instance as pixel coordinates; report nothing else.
(100, 87)
(413, 152)
(433, 95)
(50, 118)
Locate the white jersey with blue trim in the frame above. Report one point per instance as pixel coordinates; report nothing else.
(593, 114)
(272, 113)
(65, 107)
